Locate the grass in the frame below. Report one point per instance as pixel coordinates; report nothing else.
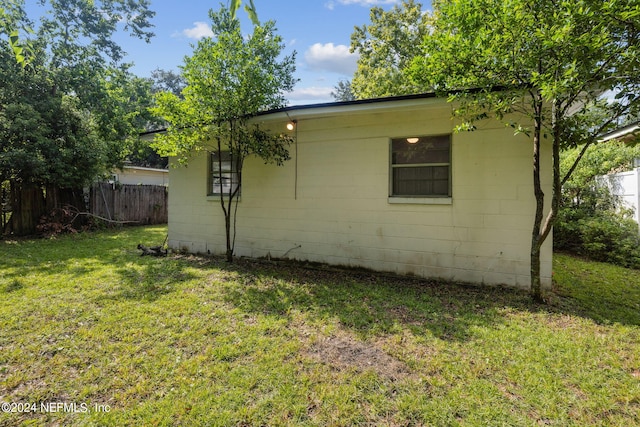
(185, 340)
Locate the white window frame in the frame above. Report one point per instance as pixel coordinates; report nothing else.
(228, 171)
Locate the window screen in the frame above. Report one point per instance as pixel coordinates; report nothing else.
(421, 166)
(224, 176)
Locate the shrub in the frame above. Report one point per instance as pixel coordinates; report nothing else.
(608, 237)
(592, 222)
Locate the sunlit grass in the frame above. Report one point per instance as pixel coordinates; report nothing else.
(193, 341)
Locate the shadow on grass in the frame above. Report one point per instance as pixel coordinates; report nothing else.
(603, 292)
(371, 304)
(366, 302)
(151, 279)
(80, 256)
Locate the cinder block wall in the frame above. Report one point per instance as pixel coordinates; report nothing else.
(334, 206)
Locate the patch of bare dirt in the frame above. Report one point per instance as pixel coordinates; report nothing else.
(344, 351)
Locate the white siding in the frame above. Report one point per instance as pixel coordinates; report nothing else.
(626, 185)
(142, 176)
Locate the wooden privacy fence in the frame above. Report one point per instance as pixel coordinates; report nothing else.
(146, 204)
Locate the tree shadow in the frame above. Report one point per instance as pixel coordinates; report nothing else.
(365, 302)
(79, 256)
(150, 280)
(370, 303)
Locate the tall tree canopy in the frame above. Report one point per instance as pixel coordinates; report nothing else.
(386, 48)
(44, 139)
(71, 109)
(554, 61)
(229, 78)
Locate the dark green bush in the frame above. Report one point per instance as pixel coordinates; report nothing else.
(602, 235)
(592, 222)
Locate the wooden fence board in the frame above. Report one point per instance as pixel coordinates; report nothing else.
(146, 204)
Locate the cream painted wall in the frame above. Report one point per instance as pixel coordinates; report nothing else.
(142, 176)
(337, 209)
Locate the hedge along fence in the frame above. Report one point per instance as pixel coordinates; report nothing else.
(145, 204)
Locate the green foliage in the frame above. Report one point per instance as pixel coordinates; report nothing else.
(555, 52)
(607, 236)
(551, 61)
(12, 22)
(386, 48)
(249, 8)
(194, 341)
(343, 91)
(167, 81)
(592, 222)
(601, 159)
(45, 139)
(229, 78)
(73, 112)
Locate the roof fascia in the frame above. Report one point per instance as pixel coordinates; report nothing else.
(620, 133)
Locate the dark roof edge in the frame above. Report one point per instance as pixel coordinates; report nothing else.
(424, 95)
(349, 103)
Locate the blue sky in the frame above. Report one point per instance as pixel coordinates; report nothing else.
(318, 30)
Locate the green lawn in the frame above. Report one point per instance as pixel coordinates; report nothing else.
(136, 341)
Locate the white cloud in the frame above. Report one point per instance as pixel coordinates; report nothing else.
(311, 92)
(197, 32)
(330, 57)
(367, 3)
(310, 95)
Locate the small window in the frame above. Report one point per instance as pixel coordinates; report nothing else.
(223, 174)
(421, 167)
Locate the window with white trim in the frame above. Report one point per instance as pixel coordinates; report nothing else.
(421, 166)
(223, 174)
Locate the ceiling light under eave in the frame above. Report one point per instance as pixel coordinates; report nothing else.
(412, 140)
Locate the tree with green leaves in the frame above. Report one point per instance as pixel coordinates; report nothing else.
(386, 48)
(342, 91)
(249, 7)
(555, 63)
(46, 142)
(12, 22)
(72, 111)
(230, 78)
(592, 220)
(167, 81)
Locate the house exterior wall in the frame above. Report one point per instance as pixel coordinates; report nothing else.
(142, 176)
(626, 185)
(332, 204)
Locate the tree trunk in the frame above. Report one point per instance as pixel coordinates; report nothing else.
(227, 224)
(28, 206)
(536, 283)
(536, 237)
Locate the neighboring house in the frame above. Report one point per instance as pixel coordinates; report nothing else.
(382, 184)
(137, 175)
(625, 185)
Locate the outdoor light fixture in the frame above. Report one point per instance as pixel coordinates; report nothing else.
(412, 140)
(292, 124)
